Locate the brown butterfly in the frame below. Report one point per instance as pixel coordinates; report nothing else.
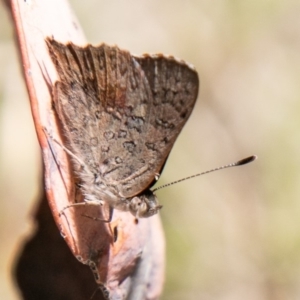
(120, 116)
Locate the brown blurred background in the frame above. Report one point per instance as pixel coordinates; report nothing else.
(230, 235)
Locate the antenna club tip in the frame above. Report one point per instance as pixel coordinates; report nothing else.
(247, 160)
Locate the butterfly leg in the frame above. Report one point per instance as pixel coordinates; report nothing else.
(98, 202)
(63, 147)
(110, 214)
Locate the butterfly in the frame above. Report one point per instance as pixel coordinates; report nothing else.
(120, 116)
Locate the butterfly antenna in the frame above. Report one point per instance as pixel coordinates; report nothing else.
(235, 164)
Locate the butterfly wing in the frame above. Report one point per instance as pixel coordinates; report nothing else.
(174, 86)
(120, 114)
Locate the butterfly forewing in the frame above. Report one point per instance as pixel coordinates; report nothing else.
(174, 86)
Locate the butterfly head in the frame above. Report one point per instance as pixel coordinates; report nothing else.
(144, 205)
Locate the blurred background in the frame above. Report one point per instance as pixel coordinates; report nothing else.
(230, 235)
